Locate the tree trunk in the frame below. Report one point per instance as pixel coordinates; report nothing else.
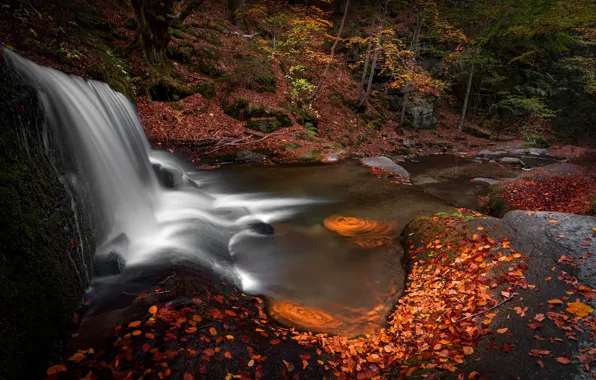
(414, 49)
(154, 18)
(332, 54)
(367, 59)
(375, 57)
(464, 109)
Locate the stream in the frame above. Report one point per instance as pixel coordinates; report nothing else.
(319, 242)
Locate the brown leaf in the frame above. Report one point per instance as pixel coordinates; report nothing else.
(468, 350)
(540, 363)
(56, 369)
(563, 360)
(188, 376)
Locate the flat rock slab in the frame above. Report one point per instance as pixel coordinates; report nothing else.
(385, 164)
(544, 241)
(486, 181)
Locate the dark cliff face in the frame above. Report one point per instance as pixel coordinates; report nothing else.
(46, 236)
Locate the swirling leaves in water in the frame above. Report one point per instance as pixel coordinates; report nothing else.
(307, 317)
(365, 233)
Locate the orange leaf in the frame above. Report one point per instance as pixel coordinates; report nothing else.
(503, 330)
(56, 369)
(540, 363)
(228, 354)
(153, 309)
(149, 336)
(468, 350)
(196, 318)
(563, 360)
(473, 375)
(134, 324)
(188, 376)
(229, 337)
(212, 331)
(251, 362)
(480, 228)
(579, 309)
(275, 341)
(136, 332)
(555, 301)
(304, 364)
(209, 352)
(230, 313)
(191, 330)
(76, 357)
(554, 221)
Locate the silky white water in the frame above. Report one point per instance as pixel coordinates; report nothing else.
(143, 218)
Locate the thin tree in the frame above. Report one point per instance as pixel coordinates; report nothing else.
(368, 54)
(331, 55)
(462, 119)
(375, 58)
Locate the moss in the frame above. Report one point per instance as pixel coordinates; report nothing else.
(40, 267)
(496, 205)
(253, 73)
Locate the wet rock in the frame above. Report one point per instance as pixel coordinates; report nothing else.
(538, 152)
(488, 154)
(385, 164)
(109, 259)
(486, 181)
(408, 143)
(536, 236)
(249, 156)
(169, 177)
(333, 156)
(512, 161)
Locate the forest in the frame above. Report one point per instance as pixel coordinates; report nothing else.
(295, 189)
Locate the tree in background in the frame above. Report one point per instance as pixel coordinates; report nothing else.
(154, 20)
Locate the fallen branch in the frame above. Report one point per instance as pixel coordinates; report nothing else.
(238, 142)
(248, 36)
(489, 309)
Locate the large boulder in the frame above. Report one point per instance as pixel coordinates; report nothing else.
(47, 236)
(422, 114)
(385, 164)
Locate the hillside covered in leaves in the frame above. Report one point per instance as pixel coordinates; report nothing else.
(306, 81)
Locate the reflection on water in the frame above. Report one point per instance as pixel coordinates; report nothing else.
(324, 272)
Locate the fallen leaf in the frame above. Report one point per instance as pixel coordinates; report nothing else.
(149, 336)
(540, 363)
(579, 309)
(56, 369)
(503, 330)
(212, 331)
(136, 332)
(191, 330)
(153, 309)
(251, 362)
(554, 221)
(473, 375)
(468, 350)
(555, 301)
(563, 360)
(480, 228)
(76, 357)
(188, 376)
(134, 324)
(228, 354)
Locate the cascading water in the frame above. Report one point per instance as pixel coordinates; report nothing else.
(143, 218)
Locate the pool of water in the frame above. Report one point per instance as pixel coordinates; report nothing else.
(306, 268)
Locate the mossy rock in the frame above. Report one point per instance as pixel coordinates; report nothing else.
(44, 267)
(253, 73)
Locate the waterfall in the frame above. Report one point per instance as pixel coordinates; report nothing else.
(148, 203)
